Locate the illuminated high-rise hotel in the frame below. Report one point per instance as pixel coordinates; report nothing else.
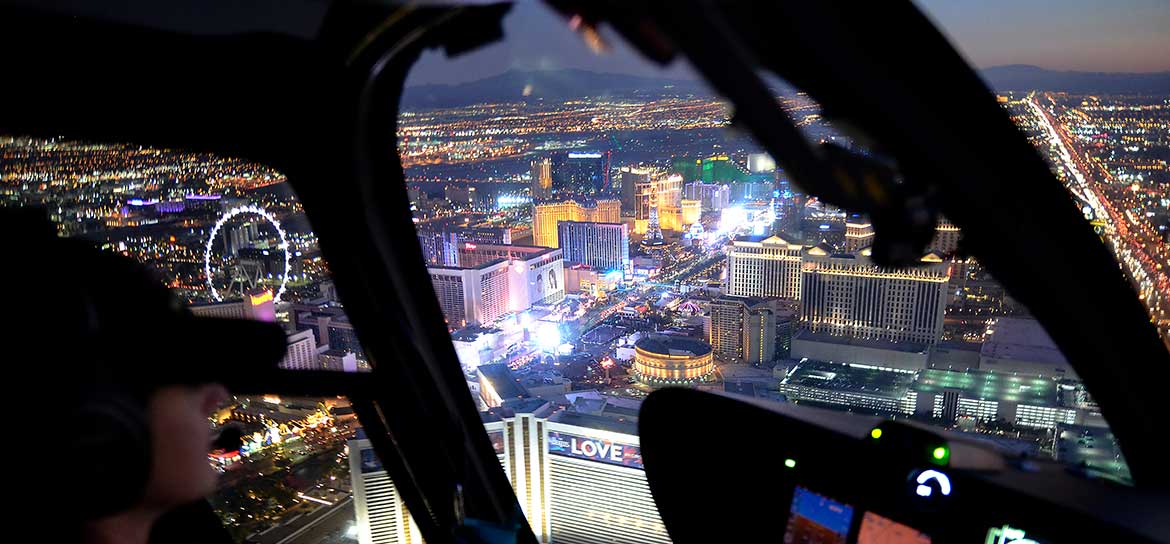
(491, 280)
(668, 197)
(581, 173)
(546, 216)
(743, 330)
(711, 196)
(946, 237)
(664, 194)
(603, 246)
(537, 276)
(578, 475)
(301, 353)
(768, 267)
(472, 295)
(848, 295)
(380, 514)
(858, 234)
(631, 179)
(653, 237)
(541, 179)
(692, 210)
(643, 191)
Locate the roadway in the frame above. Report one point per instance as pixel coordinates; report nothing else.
(1135, 243)
(321, 524)
(666, 282)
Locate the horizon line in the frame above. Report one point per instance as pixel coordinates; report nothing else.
(699, 78)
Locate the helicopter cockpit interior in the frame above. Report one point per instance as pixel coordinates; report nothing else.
(710, 305)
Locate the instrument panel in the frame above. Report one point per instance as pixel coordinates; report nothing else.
(807, 476)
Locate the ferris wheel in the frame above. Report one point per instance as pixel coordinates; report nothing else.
(238, 274)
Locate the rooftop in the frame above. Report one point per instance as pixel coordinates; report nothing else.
(1021, 339)
(505, 384)
(486, 264)
(615, 410)
(528, 406)
(961, 345)
(610, 400)
(526, 252)
(740, 388)
(765, 239)
(823, 337)
(993, 386)
(824, 248)
(850, 378)
(750, 302)
(583, 202)
(467, 334)
(624, 425)
(673, 345)
(212, 304)
(563, 222)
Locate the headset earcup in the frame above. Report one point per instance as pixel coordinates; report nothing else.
(110, 450)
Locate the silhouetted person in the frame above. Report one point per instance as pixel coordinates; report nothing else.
(122, 380)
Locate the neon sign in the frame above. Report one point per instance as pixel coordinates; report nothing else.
(1007, 535)
(594, 449)
(261, 299)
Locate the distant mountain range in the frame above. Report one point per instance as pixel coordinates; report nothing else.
(557, 85)
(548, 85)
(1023, 77)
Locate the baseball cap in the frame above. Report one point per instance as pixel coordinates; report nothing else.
(99, 315)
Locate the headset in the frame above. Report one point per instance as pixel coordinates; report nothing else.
(108, 447)
(105, 447)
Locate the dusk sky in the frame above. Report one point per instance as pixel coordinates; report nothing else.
(1090, 35)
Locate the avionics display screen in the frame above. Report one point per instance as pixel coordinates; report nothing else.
(817, 519)
(876, 529)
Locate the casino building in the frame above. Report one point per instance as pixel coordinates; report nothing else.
(490, 280)
(381, 515)
(576, 469)
(1025, 401)
(668, 360)
(545, 217)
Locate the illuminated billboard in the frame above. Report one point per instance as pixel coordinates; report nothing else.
(546, 283)
(497, 438)
(370, 461)
(594, 449)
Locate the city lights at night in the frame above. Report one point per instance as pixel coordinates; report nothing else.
(588, 239)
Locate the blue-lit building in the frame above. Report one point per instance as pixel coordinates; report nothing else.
(581, 173)
(439, 247)
(752, 190)
(343, 337)
(603, 246)
(823, 224)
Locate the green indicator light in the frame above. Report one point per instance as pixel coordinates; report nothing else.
(940, 453)
(790, 463)
(875, 434)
